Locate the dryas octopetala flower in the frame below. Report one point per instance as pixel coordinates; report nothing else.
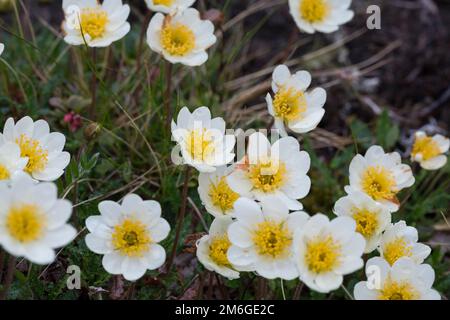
(212, 249)
(301, 111)
(261, 238)
(127, 235)
(400, 240)
(11, 162)
(380, 175)
(33, 221)
(44, 149)
(327, 250)
(97, 25)
(405, 280)
(203, 142)
(320, 15)
(169, 6)
(182, 37)
(2, 48)
(278, 170)
(371, 218)
(215, 193)
(429, 151)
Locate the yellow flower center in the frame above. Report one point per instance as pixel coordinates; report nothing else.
(25, 223)
(272, 239)
(267, 176)
(222, 196)
(379, 183)
(37, 157)
(427, 147)
(396, 249)
(93, 22)
(393, 290)
(131, 238)
(166, 3)
(199, 144)
(177, 39)
(4, 173)
(322, 254)
(314, 11)
(218, 250)
(366, 222)
(289, 104)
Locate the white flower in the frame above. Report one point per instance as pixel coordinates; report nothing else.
(215, 193)
(326, 250)
(400, 240)
(371, 218)
(405, 280)
(203, 142)
(182, 37)
(273, 170)
(33, 221)
(429, 151)
(380, 175)
(300, 110)
(44, 149)
(169, 6)
(320, 15)
(212, 249)
(261, 238)
(127, 235)
(11, 163)
(2, 47)
(97, 24)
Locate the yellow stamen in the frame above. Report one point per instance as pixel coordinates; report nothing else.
(396, 249)
(379, 183)
(131, 238)
(314, 11)
(25, 223)
(272, 239)
(289, 104)
(427, 147)
(366, 222)
(218, 250)
(4, 173)
(322, 254)
(166, 3)
(177, 39)
(93, 22)
(393, 290)
(222, 196)
(37, 157)
(199, 144)
(267, 176)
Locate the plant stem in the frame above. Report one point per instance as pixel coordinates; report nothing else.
(9, 277)
(141, 40)
(92, 110)
(167, 94)
(180, 218)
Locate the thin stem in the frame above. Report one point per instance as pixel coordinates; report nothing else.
(92, 110)
(282, 289)
(180, 218)
(141, 40)
(9, 277)
(347, 292)
(167, 94)
(222, 288)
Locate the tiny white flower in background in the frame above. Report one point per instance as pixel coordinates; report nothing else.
(400, 240)
(212, 249)
(2, 47)
(261, 238)
(380, 175)
(371, 218)
(33, 221)
(405, 280)
(215, 193)
(429, 151)
(292, 104)
(11, 163)
(97, 24)
(169, 6)
(327, 250)
(182, 37)
(320, 15)
(203, 142)
(273, 170)
(44, 149)
(128, 234)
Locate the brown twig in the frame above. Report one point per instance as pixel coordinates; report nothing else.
(11, 268)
